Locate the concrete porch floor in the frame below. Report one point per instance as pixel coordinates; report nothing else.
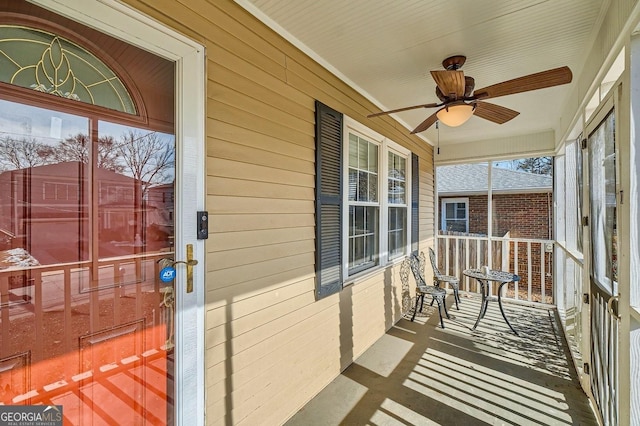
(420, 374)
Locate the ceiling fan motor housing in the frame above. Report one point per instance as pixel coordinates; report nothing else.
(453, 63)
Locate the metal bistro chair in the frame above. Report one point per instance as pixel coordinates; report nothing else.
(438, 278)
(438, 294)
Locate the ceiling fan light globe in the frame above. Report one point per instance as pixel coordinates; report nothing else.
(455, 115)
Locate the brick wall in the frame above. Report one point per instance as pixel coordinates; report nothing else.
(523, 216)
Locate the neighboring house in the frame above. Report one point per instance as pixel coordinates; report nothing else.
(521, 208)
(160, 208)
(521, 201)
(40, 204)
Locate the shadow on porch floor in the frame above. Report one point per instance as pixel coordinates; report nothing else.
(420, 374)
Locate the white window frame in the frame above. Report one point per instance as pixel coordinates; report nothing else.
(407, 201)
(443, 211)
(385, 146)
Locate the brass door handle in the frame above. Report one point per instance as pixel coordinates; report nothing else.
(192, 262)
(189, 263)
(610, 307)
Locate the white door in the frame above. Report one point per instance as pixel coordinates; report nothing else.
(603, 219)
(127, 348)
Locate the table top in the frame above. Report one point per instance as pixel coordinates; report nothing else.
(501, 276)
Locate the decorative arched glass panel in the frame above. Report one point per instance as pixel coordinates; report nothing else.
(48, 63)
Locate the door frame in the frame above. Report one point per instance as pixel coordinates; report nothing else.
(619, 100)
(127, 24)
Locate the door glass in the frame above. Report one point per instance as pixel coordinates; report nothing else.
(604, 375)
(602, 184)
(43, 178)
(86, 216)
(136, 200)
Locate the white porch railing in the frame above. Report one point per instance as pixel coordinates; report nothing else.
(568, 270)
(29, 294)
(531, 259)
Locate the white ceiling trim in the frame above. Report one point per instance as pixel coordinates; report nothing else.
(506, 148)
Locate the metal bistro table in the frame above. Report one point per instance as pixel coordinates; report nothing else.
(503, 278)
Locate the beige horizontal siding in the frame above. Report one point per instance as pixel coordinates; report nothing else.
(257, 238)
(270, 346)
(235, 223)
(299, 147)
(234, 275)
(253, 172)
(260, 157)
(280, 95)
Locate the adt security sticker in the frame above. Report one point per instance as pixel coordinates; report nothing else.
(167, 274)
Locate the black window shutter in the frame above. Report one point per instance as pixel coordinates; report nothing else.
(328, 201)
(415, 197)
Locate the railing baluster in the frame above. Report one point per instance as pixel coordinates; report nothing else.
(466, 263)
(69, 367)
(36, 275)
(456, 264)
(542, 272)
(515, 263)
(478, 264)
(139, 281)
(505, 255)
(5, 346)
(529, 273)
(446, 258)
(117, 291)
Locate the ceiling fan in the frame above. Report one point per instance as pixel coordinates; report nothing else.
(459, 101)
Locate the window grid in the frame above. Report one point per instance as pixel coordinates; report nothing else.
(397, 198)
(376, 202)
(363, 170)
(454, 215)
(363, 237)
(397, 232)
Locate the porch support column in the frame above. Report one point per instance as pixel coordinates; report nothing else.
(489, 215)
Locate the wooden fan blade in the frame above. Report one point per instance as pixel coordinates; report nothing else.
(540, 80)
(496, 113)
(402, 109)
(426, 123)
(451, 83)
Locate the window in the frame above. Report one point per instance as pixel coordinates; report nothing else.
(49, 192)
(363, 203)
(34, 57)
(376, 199)
(455, 215)
(397, 197)
(366, 200)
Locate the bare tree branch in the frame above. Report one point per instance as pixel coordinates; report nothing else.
(147, 157)
(23, 153)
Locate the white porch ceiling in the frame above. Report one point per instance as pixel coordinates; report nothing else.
(386, 48)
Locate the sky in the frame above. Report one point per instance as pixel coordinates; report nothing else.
(50, 127)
